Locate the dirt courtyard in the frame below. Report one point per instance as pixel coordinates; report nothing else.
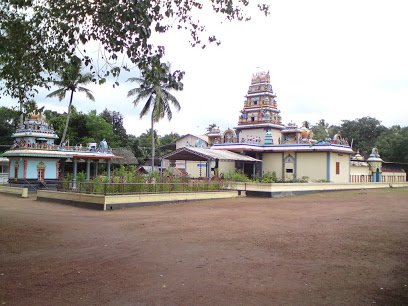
(340, 248)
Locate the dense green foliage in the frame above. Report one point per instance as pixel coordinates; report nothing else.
(394, 144)
(115, 119)
(36, 37)
(362, 133)
(8, 122)
(236, 176)
(126, 180)
(322, 130)
(367, 132)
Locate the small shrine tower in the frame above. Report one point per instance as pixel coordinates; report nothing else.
(260, 114)
(34, 159)
(375, 163)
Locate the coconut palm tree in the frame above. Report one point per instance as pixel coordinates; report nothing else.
(155, 89)
(71, 80)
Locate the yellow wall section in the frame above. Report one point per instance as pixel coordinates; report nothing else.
(194, 171)
(312, 165)
(224, 167)
(344, 160)
(272, 162)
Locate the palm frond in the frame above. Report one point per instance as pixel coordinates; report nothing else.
(87, 92)
(146, 107)
(172, 99)
(59, 93)
(156, 88)
(143, 95)
(139, 91)
(84, 79)
(137, 80)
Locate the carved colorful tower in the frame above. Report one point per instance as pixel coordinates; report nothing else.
(260, 113)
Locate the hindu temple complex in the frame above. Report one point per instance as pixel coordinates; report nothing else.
(288, 151)
(259, 145)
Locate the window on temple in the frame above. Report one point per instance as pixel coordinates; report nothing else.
(337, 167)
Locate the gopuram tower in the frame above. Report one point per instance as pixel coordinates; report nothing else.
(260, 122)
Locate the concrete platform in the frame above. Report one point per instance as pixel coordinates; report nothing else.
(110, 202)
(290, 189)
(19, 191)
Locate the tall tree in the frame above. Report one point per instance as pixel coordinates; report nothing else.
(363, 132)
(210, 127)
(115, 119)
(20, 70)
(44, 33)
(8, 124)
(99, 129)
(306, 124)
(321, 130)
(155, 89)
(71, 80)
(168, 143)
(393, 144)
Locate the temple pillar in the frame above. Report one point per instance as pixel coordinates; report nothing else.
(209, 168)
(96, 168)
(75, 174)
(108, 166)
(88, 169)
(161, 170)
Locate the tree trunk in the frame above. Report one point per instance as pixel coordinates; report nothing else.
(21, 111)
(153, 148)
(64, 134)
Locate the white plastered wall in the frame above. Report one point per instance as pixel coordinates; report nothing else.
(360, 170)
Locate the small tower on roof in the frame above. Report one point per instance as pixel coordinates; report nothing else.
(260, 104)
(260, 113)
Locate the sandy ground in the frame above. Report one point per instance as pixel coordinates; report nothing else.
(342, 248)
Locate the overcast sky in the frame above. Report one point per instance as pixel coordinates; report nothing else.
(332, 60)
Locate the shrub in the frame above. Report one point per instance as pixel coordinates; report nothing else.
(322, 181)
(268, 177)
(81, 176)
(236, 176)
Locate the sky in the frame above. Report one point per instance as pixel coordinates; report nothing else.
(333, 60)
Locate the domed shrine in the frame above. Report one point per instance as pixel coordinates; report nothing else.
(36, 161)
